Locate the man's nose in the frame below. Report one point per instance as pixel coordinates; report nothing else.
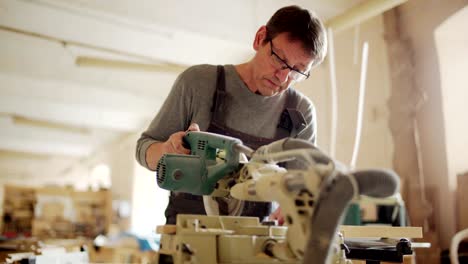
(282, 74)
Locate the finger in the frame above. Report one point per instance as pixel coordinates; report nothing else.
(178, 149)
(194, 127)
(173, 146)
(179, 145)
(184, 150)
(273, 216)
(280, 221)
(171, 143)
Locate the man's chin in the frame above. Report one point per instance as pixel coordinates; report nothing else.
(270, 91)
(280, 90)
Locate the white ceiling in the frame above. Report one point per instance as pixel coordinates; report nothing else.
(54, 108)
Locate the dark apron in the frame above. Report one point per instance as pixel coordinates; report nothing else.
(290, 124)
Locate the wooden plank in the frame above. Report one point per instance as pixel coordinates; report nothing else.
(98, 197)
(409, 259)
(108, 212)
(381, 231)
(462, 201)
(348, 231)
(93, 209)
(166, 229)
(54, 191)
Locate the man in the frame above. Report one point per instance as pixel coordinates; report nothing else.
(251, 101)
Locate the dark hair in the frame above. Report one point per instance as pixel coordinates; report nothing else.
(302, 26)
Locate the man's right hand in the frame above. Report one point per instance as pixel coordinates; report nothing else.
(174, 144)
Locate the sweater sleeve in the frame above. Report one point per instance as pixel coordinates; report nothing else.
(173, 116)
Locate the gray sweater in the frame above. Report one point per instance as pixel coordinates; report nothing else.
(191, 98)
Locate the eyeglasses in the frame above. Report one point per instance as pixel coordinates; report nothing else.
(279, 63)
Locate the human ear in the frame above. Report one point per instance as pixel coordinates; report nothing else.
(259, 37)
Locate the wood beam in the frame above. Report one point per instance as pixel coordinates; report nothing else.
(361, 12)
(72, 104)
(381, 231)
(85, 61)
(113, 34)
(40, 140)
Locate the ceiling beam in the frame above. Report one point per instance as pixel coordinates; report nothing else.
(24, 121)
(38, 145)
(361, 12)
(85, 61)
(72, 104)
(26, 156)
(45, 141)
(112, 33)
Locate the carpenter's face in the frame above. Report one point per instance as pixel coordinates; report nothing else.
(279, 63)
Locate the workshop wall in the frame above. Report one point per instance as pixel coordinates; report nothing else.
(376, 147)
(452, 53)
(441, 162)
(418, 21)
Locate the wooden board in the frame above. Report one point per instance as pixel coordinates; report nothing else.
(407, 259)
(381, 231)
(166, 229)
(462, 201)
(93, 209)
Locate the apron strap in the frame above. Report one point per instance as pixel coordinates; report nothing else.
(292, 121)
(220, 92)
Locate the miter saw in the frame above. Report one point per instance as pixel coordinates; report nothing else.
(312, 191)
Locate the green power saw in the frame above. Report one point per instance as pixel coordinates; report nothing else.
(212, 157)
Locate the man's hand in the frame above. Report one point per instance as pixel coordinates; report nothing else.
(174, 144)
(277, 215)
